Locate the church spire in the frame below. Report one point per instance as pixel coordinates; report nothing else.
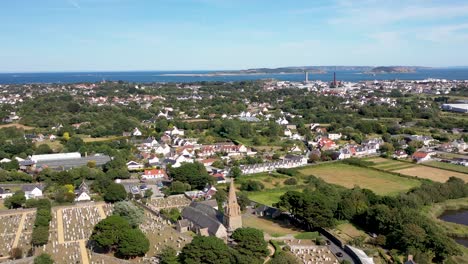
(232, 212)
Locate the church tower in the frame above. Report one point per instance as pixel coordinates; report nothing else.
(232, 212)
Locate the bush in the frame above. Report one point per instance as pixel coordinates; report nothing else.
(43, 259)
(288, 172)
(358, 162)
(252, 186)
(290, 181)
(16, 253)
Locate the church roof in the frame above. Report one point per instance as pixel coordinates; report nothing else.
(203, 216)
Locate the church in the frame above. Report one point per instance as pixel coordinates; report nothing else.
(204, 220)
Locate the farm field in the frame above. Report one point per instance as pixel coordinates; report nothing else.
(443, 165)
(430, 173)
(420, 171)
(349, 176)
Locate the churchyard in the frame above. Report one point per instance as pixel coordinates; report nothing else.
(161, 234)
(174, 201)
(309, 253)
(15, 230)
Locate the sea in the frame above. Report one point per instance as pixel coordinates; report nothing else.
(197, 76)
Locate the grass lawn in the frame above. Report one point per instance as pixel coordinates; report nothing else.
(307, 235)
(267, 197)
(273, 228)
(348, 232)
(87, 139)
(449, 166)
(55, 145)
(349, 176)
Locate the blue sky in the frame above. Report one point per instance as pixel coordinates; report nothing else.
(84, 35)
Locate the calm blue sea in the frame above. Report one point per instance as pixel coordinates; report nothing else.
(159, 76)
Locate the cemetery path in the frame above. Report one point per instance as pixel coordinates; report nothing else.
(83, 252)
(102, 214)
(19, 230)
(61, 237)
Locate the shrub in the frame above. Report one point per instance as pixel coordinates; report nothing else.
(290, 181)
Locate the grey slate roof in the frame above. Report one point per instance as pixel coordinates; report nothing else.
(203, 216)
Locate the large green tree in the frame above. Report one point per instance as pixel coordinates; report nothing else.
(250, 242)
(107, 232)
(207, 250)
(115, 192)
(194, 174)
(44, 258)
(132, 243)
(16, 200)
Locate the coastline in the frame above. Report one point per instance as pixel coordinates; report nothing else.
(232, 74)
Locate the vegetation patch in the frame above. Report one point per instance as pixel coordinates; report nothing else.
(307, 235)
(447, 166)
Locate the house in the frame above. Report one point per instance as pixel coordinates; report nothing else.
(421, 156)
(133, 165)
(410, 260)
(32, 191)
(4, 193)
(287, 133)
(400, 154)
(175, 132)
(461, 145)
(82, 193)
(219, 178)
(334, 136)
(326, 144)
(154, 174)
(153, 160)
(267, 211)
(5, 160)
(136, 132)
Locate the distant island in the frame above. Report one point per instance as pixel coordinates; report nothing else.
(394, 69)
(303, 69)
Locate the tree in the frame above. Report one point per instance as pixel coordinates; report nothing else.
(250, 242)
(91, 164)
(235, 172)
(74, 144)
(63, 194)
(106, 233)
(66, 136)
(194, 174)
(132, 243)
(252, 186)
(16, 253)
(148, 193)
(284, 258)
(43, 258)
(290, 181)
(114, 193)
(40, 235)
(208, 250)
(168, 256)
(43, 149)
(16, 200)
(132, 213)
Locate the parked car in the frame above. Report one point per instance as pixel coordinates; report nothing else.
(339, 254)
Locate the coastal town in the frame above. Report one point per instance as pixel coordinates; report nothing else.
(223, 160)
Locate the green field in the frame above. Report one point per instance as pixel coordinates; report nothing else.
(448, 166)
(349, 176)
(267, 197)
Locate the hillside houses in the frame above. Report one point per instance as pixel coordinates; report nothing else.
(287, 163)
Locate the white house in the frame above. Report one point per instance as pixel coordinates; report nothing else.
(162, 149)
(175, 132)
(32, 191)
(5, 160)
(287, 133)
(334, 136)
(153, 160)
(133, 165)
(4, 194)
(136, 132)
(82, 193)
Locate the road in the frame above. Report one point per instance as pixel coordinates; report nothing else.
(334, 248)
